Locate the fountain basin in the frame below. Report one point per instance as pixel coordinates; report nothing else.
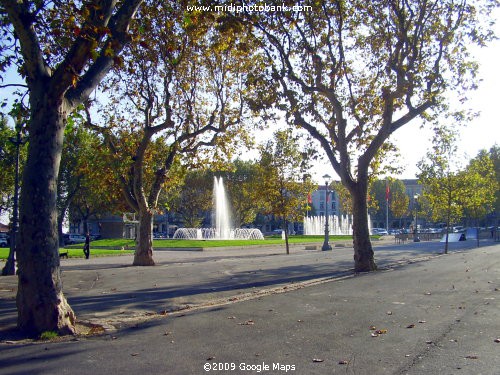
(215, 234)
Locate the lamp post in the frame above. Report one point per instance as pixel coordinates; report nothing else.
(415, 230)
(326, 244)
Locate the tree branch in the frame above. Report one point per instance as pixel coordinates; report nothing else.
(118, 27)
(23, 21)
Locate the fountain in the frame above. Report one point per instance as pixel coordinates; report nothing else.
(221, 220)
(338, 225)
(221, 215)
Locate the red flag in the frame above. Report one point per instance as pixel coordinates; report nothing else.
(387, 191)
(309, 198)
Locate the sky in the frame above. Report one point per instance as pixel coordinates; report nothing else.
(482, 133)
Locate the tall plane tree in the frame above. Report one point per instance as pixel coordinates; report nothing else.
(280, 179)
(443, 185)
(181, 91)
(62, 50)
(353, 72)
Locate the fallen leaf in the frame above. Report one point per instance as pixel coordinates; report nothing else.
(410, 326)
(134, 354)
(472, 357)
(317, 360)
(96, 329)
(343, 362)
(374, 335)
(373, 328)
(381, 331)
(231, 317)
(497, 340)
(167, 333)
(247, 323)
(389, 312)
(210, 358)
(422, 321)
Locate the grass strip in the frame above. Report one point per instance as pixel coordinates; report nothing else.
(78, 253)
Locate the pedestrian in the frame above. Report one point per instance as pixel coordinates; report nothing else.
(86, 247)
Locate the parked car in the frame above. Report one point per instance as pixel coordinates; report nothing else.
(4, 240)
(159, 235)
(380, 231)
(70, 239)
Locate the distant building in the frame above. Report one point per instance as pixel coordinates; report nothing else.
(412, 188)
(122, 226)
(4, 228)
(319, 202)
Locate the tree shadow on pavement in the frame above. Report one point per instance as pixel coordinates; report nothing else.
(165, 298)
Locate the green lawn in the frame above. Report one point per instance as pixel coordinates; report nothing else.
(170, 243)
(76, 251)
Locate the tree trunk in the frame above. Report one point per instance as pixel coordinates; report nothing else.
(144, 242)
(363, 251)
(287, 245)
(40, 300)
(477, 232)
(448, 220)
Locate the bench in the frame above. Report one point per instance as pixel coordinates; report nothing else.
(400, 238)
(311, 247)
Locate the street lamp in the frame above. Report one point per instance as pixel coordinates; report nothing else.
(326, 245)
(415, 230)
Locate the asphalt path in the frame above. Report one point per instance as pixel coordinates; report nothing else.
(110, 292)
(262, 311)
